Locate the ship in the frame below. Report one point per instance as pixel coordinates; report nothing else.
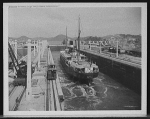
(76, 64)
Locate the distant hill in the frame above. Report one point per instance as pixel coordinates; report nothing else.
(20, 39)
(126, 41)
(41, 38)
(60, 37)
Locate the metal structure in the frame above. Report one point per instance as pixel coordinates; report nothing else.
(20, 68)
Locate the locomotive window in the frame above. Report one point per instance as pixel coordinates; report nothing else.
(82, 57)
(52, 66)
(68, 58)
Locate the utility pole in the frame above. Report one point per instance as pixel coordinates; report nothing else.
(66, 38)
(37, 44)
(16, 48)
(39, 55)
(28, 89)
(79, 39)
(41, 49)
(34, 48)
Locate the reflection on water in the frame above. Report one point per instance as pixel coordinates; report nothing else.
(103, 93)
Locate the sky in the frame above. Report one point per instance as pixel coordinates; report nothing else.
(52, 21)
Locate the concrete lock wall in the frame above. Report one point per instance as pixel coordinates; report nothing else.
(57, 48)
(125, 74)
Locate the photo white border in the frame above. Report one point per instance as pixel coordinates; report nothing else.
(98, 113)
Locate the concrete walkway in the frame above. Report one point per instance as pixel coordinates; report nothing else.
(38, 85)
(38, 98)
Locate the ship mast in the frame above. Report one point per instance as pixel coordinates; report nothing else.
(79, 39)
(66, 37)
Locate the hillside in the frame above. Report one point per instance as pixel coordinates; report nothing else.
(60, 37)
(25, 38)
(126, 41)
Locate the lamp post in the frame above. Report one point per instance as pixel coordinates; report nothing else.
(37, 44)
(39, 48)
(28, 89)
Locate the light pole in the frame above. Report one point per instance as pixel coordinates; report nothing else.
(39, 48)
(28, 89)
(37, 44)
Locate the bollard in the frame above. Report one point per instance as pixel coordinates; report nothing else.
(28, 89)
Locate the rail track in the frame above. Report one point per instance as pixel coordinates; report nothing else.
(15, 97)
(52, 97)
(54, 94)
(12, 90)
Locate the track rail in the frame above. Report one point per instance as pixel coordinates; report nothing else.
(50, 99)
(54, 94)
(12, 91)
(15, 97)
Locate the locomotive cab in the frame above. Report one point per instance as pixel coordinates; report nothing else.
(51, 72)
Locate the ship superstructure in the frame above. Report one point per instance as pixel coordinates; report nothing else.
(77, 64)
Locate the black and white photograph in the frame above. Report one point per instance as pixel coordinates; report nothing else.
(75, 59)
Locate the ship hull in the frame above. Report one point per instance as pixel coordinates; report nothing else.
(80, 76)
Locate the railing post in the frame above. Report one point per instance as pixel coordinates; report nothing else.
(28, 89)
